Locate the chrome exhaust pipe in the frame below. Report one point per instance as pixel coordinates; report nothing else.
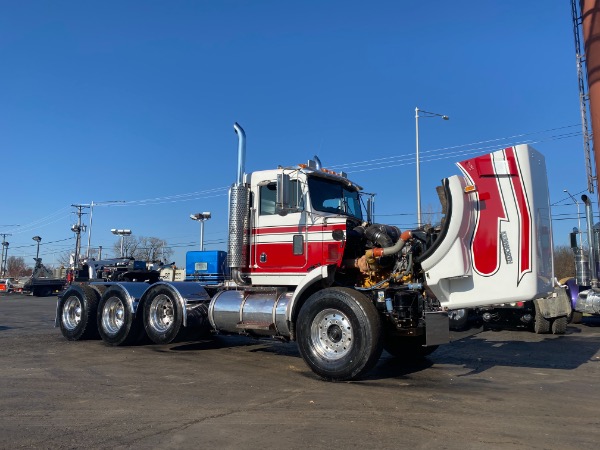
(589, 217)
(241, 153)
(239, 215)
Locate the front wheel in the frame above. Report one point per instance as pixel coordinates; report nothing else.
(339, 334)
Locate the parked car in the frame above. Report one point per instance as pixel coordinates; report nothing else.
(6, 284)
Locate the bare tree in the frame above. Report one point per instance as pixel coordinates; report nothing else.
(16, 267)
(64, 258)
(130, 245)
(153, 249)
(564, 262)
(431, 216)
(144, 248)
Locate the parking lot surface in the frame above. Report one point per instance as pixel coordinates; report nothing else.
(504, 389)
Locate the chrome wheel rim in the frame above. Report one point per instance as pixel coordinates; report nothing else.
(113, 316)
(71, 314)
(162, 313)
(331, 334)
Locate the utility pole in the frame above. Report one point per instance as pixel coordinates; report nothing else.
(4, 259)
(91, 206)
(77, 229)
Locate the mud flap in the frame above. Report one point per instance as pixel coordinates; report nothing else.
(556, 304)
(437, 328)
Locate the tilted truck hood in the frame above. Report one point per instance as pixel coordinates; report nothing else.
(497, 243)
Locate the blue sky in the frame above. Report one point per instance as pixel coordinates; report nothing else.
(135, 101)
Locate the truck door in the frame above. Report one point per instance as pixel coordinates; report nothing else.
(279, 242)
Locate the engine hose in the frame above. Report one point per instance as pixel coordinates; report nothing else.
(409, 265)
(378, 252)
(382, 235)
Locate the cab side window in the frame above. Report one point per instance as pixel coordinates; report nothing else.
(268, 198)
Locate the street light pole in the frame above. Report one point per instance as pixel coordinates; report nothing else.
(201, 217)
(424, 114)
(87, 254)
(418, 169)
(37, 239)
(92, 204)
(122, 233)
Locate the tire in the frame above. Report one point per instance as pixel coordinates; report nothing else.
(116, 322)
(163, 316)
(339, 334)
(408, 348)
(458, 319)
(77, 310)
(576, 317)
(541, 325)
(559, 325)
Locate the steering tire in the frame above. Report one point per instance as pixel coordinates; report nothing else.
(339, 334)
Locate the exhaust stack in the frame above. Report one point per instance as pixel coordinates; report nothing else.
(239, 206)
(241, 153)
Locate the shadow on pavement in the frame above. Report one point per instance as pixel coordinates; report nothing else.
(476, 352)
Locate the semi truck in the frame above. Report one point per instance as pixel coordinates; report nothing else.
(306, 263)
(583, 290)
(41, 283)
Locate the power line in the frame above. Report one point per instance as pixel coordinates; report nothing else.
(409, 158)
(42, 243)
(443, 149)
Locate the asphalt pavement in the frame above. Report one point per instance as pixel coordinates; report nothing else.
(496, 389)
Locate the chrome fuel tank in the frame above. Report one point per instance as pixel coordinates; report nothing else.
(260, 312)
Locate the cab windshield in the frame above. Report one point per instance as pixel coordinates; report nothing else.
(332, 196)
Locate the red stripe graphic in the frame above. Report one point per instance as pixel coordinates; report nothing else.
(486, 244)
(525, 231)
(486, 239)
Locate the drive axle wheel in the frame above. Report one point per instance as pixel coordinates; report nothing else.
(339, 334)
(559, 325)
(116, 322)
(541, 325)
(77, 313)
(163, 316)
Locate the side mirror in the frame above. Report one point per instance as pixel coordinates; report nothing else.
(573, 236)
(370, 210)
(284, 187)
